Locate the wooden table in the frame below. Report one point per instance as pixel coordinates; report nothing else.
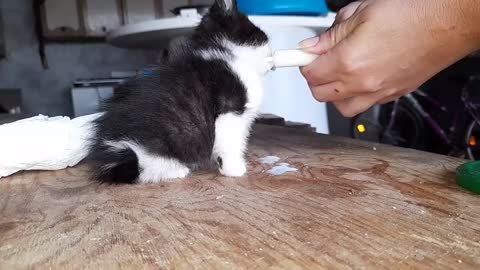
(352, 205)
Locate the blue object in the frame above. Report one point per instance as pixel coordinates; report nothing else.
(284, 7)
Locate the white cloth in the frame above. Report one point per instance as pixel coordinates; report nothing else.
(43, 143)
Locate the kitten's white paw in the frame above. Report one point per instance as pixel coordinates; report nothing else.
(170, 176)
(233, 168)
(163, 170)
(176, 175)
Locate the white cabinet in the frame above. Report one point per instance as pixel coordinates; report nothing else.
(65, 20)
(169, 5)
(61, 19)
(62, 14)
(101, 16)
(140, 10)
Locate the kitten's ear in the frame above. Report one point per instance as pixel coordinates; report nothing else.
(228, 6)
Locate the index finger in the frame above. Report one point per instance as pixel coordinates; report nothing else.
(322, 70)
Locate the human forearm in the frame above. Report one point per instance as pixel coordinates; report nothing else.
(380, 50)
(457, 19)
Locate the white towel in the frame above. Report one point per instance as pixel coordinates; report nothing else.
(43, 143)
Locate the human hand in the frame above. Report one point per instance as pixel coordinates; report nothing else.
(380, 50)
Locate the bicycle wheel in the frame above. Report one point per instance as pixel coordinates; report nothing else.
(406, 130)
(472, 140)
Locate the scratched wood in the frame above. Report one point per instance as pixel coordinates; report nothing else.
(352, 205)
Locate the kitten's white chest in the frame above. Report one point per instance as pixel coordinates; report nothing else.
(231, 129)
(250, 66)
(253, 83)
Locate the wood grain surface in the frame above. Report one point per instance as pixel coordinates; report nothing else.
(351, 205)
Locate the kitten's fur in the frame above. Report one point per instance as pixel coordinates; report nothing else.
(196, 109)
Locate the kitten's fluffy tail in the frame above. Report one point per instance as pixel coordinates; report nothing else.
(118, 167)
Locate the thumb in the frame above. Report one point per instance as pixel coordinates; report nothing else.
(330, 38)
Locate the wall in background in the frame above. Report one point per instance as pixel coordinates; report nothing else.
(48, 91)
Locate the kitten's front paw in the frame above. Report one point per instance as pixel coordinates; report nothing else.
(233, 168)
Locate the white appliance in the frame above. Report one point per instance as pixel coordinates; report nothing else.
(287, 93)
(87, 94)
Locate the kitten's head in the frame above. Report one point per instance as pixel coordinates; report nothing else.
(225, 21)
(226, 33)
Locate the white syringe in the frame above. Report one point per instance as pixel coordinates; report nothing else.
(290, 58)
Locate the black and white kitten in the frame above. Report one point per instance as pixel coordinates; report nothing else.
(196, 109)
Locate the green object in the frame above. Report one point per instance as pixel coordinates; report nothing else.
(468, 176)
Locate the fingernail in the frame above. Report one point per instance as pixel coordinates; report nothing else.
(309, 42)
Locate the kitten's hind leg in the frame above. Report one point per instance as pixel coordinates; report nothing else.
(154, 168)
(231, 135)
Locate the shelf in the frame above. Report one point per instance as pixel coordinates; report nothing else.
(155, 33)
